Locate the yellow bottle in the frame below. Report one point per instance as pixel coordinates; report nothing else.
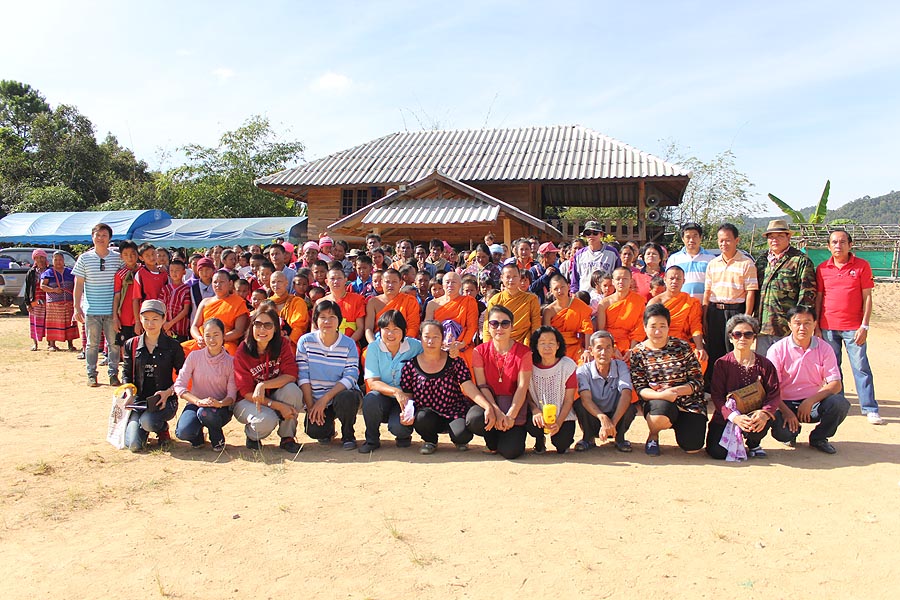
(549, 411)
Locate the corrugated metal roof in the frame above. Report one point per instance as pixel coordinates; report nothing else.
(433, 211)
(559, 153)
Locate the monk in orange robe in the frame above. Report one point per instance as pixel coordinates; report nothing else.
(353, 306)
(392, 299)
(463, 310)
(292, 309)
(622, 314)
(525, 306)
(226, 306)
(572, 318)
(686, 313)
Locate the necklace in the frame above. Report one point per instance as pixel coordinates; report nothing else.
(500, 362)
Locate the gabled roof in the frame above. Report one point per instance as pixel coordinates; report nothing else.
(558, 153)
(414, 207)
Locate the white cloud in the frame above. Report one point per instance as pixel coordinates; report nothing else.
(223, 74)
(331, 82)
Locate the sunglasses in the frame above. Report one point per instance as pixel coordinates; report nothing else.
(747, 335)
(591, 232)
(504, 324)
(102, 264)
(268, 326)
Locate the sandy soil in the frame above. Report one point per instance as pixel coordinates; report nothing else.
(79, 519)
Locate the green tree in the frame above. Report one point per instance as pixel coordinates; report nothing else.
(20, 104)
(54, 198)
(817, 216)
(218, 182)
(717, 192)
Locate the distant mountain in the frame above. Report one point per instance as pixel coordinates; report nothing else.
(881, 210)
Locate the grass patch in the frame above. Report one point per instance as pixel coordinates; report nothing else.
(40, 469)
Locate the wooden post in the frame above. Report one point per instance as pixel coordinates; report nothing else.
(507, 233)
(642, 211)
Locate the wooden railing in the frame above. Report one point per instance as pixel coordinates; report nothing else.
(623, 229)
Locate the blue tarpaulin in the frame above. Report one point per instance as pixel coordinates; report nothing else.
(204, 232)
(72, 227)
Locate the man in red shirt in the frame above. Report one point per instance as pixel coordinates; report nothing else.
(844, 302)
(149, 281)
(124, 312)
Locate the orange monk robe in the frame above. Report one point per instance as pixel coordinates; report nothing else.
(687, 319)
(464, 311)
(526, 310)
(296, 314)
(625, 321)
(227, 310)
(409, 308)
(353, 307)
(570, 321)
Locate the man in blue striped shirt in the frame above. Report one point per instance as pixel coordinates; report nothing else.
(693, 259)
(95, 273)
(328, 370)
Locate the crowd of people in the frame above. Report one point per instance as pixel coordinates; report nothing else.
(502, 343)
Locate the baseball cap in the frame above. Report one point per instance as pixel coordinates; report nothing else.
(153, 306)
(547, 248)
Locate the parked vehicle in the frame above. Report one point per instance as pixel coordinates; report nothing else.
(14, 265)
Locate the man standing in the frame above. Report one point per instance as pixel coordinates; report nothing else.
(202, 288)
(729, 289)
(525, 307)
(597, 255)
(786, 278)
(844, 302)
(810, 383)
(692, 259)
(278, 257)
(523, 253)
(95, 273)
(404, 253)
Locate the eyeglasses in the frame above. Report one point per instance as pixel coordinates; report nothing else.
(102, 264)
(591, 232)
(504, 324)
(267, 325)
(747, 335)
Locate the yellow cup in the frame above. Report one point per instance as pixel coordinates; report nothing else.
(549, 411)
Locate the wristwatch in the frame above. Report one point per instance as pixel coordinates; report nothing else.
(866, 327)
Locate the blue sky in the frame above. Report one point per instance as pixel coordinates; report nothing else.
(800, 91)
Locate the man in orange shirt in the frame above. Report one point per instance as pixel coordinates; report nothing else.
(622, 314)
(392, 299)
(353, 306)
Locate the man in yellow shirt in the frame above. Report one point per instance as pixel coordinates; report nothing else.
(525, 306)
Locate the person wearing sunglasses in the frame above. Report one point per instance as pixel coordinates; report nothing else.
(738, 369)
(597, 255)
(502, 368)
(265, 373)
(95, 273)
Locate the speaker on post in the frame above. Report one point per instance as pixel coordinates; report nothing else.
(652, 200)
(654, 215)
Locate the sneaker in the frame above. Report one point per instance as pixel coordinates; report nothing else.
(583, 445)
(254, 444)
(462, 447)
(349, 445)
(164, 438)
(757, 452)
(218, 446)
(114, 381)
(428, 448)
(289, 444)
(324, 441)
(80, 355)
(92, 381)
(199, 441)
(790, 443)
(874, 418)
(368, 448)
(404, 442)
(103, 361)
(822, 446)
(652, 448)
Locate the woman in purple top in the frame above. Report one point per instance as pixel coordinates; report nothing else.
(737, 369)
(210, 398)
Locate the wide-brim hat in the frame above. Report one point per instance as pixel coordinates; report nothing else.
(777, 226)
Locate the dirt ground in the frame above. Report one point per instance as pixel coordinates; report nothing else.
(79, 519)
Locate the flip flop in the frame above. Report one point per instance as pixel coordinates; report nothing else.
(52, 349)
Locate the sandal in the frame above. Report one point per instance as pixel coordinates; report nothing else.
(582, 445)
(623, 446)
(52, 349)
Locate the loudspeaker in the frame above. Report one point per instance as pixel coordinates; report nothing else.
(652, 200)
(654, 215)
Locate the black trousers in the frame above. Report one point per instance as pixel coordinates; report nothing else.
(344, 406)
(590, 425)
(714, 436)
(690, 428)
(832, 412)
(508, 444)
(717, 343)
(429, 424)
(561, 440)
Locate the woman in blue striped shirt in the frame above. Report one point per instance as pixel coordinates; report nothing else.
(328, 365)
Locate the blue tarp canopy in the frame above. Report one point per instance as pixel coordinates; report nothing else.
(73, 227)
(204, 232)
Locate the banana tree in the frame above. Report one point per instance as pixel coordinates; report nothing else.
(817, 216)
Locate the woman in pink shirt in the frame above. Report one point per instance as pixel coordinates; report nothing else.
(210, 397)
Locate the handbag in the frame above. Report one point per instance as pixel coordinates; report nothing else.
(119, 414)
(748, 398)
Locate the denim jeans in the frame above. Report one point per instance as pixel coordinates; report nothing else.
(194, 418)
(94, 325)
(142, 423)
(859, 363)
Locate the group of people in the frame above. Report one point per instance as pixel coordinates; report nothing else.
(504, 344)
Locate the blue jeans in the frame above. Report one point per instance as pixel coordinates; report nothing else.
(859, 363)
(142, 423)
(194, 418)
(93, 326)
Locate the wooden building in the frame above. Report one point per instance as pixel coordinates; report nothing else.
(530, 169)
